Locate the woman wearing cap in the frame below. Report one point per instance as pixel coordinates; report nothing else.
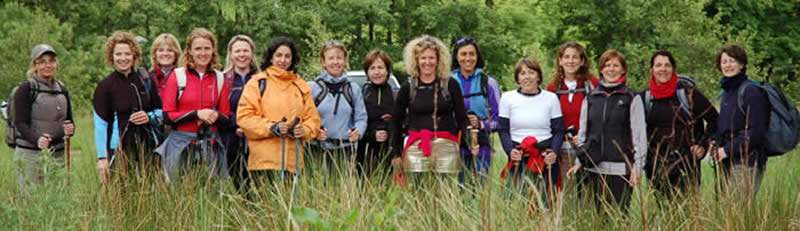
(196, 103)
(277, 114)
(164, 56)
(613, 136)
(430, 109)
(530, 134)
(379, 102)
(240, 66)
(126, 99)
(571, 81)
(340, 105)
(481, 95)
(42, 116)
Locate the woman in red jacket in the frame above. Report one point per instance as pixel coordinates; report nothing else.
(571, 81)
(196, 104)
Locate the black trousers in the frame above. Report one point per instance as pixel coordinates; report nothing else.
(608, 190)
(237, 155)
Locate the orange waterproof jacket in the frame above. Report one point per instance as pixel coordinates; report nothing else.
(286, 96)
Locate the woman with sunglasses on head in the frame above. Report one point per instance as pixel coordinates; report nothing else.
(341, 107)
(42, 117)
(430, 109)
(128, 100)
(481, 94)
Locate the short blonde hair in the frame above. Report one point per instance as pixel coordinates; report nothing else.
(187, 60)
(331, 45)
(229, 59)
(414, 48)
(169, 40)
(126, 38)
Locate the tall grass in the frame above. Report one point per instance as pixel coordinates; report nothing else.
(346, 201)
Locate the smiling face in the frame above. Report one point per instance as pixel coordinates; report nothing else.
(166, 56)
(612, 70)
(202, 52)
(729, 66)
(571, 61)
(123, 57)
(377, 72)
(46, 66)
(662, 69)
(427, 61)
(242, 55)
(467, 58)
(528, 79)
(334, 61)
(282, 58)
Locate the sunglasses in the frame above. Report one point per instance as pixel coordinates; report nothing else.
(465, 40)
(333, 43)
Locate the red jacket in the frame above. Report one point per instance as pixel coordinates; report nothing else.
(198, 94)
(571, 111)
(159, 78)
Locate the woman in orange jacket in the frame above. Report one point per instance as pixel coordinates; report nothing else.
(277, 113)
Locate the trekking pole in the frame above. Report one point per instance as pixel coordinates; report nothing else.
(353, 153)
(283, 150)
(473, 140)
(66, 146)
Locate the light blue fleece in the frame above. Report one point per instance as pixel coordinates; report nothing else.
(100, 136)
(339, 124)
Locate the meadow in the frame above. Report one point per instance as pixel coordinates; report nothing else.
(75, 200)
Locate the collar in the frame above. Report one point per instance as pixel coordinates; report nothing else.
(328, 78)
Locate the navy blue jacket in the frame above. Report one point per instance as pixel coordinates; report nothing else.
(743, 146)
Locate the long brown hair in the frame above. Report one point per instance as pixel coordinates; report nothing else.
(187, 60)
(583, 71)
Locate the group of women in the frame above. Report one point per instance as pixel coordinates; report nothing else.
(251, 122)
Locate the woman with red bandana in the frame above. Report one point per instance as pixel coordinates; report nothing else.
(571, 81)
(530, 134)
(612, 140)
(429, 107)
(680, 120)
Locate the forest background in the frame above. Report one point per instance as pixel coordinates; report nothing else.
(506, 30)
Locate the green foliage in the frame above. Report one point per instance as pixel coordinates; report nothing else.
(507, 31)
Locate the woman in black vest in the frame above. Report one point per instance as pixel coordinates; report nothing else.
(42, 116)
(612, 138)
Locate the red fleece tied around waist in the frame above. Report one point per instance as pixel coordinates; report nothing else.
(535, 159)
(426, 136)
(664, 90)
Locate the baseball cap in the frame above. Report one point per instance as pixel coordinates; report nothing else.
(42, 49)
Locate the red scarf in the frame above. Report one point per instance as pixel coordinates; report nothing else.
(665, 90)
(622, 79)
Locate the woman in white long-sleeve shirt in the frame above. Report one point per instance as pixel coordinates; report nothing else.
(613, 136)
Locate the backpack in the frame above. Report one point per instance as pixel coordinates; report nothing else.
(180, 74)
(684, 92)
(345, 89)
(157, 126)
(413, 91)
(587, 87)
(366, 93)
(783, 132)
(484, 92)
(11, 131)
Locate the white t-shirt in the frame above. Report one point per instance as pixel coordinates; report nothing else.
(529, 115)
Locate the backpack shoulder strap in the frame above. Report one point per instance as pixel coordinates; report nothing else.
(683, 95)
(445, 90)
(648, 100)
(588, 86)
(485, 86)
(220, 81)
(412, 90)
(348, 94)
(180, 77)
(262, 86)
(322, 93)
(741, 91)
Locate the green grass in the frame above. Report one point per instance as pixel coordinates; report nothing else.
(345, 202)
